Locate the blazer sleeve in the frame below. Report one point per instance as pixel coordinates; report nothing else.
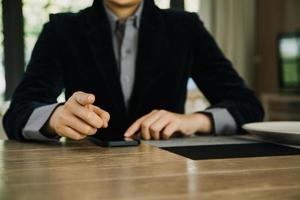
(219, 82)
(41, 84)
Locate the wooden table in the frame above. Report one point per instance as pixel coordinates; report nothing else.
(81, 170)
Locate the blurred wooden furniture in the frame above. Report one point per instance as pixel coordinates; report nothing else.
(81, 170)
(282, 107)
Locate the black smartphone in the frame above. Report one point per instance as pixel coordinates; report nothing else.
(122, 142)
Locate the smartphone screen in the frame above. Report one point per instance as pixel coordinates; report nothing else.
(119, 142)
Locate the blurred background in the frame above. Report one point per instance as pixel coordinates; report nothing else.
(260, 37)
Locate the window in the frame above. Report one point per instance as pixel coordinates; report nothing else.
(36, 13)
(164, 4)
(190, 5)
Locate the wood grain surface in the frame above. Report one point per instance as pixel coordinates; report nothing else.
(81, 170)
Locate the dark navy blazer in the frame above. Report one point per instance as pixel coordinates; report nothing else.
(74, 52)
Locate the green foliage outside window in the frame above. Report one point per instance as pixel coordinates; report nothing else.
(36, 13)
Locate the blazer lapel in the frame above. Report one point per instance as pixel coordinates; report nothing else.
(100, 40)
(150, 40)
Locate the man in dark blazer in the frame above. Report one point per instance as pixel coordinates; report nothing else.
(124, 67)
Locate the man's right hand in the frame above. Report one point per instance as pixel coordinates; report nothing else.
(78, 117)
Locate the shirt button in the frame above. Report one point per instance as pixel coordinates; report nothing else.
(126, 79)
(128, 51)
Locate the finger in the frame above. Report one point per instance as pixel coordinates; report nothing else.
(136, 126)
(80, 126)
(146, 124)
(85, 114)
(100, 112)
(84, 98)
(169, 130)
(71, 133)
(157, 127)
(103, 114)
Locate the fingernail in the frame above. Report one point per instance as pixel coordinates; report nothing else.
(90, 98)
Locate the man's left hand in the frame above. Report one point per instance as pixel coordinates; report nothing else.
(162, 124)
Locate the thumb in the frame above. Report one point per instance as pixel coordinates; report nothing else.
(84, 98)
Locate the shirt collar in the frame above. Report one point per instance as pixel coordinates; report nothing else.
(135, 18)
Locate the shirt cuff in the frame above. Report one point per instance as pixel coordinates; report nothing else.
(38, 118)
(224, 123)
